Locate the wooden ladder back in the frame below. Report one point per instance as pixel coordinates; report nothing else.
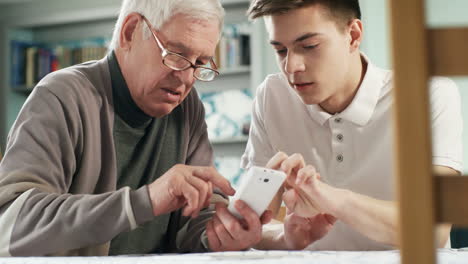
(424, 199)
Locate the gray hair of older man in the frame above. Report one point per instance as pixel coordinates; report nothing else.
(160, 11)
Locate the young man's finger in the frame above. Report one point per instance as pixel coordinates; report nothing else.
(275, 162)
(294, 162)
(294, 219)
(290, 199)
(330, 218)
(305, 174)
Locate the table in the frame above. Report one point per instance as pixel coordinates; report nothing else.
(445, 256)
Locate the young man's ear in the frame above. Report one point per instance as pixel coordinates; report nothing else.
(128, 31)
(356, 32)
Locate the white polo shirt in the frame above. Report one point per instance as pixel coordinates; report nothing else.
(352, 149)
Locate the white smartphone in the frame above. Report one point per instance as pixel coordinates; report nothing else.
(257, 188)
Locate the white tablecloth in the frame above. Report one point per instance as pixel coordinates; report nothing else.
(445, 256)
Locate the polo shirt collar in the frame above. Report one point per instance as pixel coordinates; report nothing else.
(362, 107)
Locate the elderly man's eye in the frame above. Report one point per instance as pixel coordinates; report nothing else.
(201, 62)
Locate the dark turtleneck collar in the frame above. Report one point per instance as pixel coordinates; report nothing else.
(124, 105)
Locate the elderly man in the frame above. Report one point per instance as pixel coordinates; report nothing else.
(112, 156)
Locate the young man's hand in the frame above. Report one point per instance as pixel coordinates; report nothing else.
(187, 187)
(305, 194)
(299, 232)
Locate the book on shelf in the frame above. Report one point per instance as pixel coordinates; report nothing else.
(30, 62)
(18, 58)
(30, 65)
(233, 50)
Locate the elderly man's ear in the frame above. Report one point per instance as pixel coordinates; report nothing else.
(129, 30)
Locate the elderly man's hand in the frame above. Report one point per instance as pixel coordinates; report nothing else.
(186, 186)
(299, 232)
(227, 233)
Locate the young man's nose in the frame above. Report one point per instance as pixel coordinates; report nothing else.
(294, 63)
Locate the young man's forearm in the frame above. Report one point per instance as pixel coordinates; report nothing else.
(377, 219)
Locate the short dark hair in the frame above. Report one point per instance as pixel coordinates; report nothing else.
(341, 10)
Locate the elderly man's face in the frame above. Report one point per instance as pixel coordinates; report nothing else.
(155, 88)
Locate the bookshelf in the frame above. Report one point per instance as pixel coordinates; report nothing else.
(235, 71)
(55, 21)
(230, 140)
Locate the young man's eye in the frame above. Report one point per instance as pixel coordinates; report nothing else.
(281, 51)
(310, 47)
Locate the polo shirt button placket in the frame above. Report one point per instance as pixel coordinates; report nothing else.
(340, 137)
(340, 158)
(338, 147)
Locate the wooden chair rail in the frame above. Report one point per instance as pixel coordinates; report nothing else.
(448, 54)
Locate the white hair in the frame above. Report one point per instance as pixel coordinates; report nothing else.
(160, 11)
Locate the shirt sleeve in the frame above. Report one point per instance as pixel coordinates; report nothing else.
(259, 149)
(39, 213)
(447, 123)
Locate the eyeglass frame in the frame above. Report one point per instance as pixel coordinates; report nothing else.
(165, 52)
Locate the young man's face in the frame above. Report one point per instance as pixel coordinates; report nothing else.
(312, 51)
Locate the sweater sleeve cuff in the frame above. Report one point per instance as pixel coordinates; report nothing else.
(141, 205)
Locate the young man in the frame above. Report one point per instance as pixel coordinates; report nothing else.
(112, 156)
(331, 105)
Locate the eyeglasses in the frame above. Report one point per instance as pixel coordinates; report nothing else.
(178, 62)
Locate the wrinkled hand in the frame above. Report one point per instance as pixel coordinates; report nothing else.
(185, 186)
(299, 232)
(227, 233)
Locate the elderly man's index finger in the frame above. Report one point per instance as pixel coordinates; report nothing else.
(210, 174)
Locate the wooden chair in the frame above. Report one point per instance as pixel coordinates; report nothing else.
(424, 199)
